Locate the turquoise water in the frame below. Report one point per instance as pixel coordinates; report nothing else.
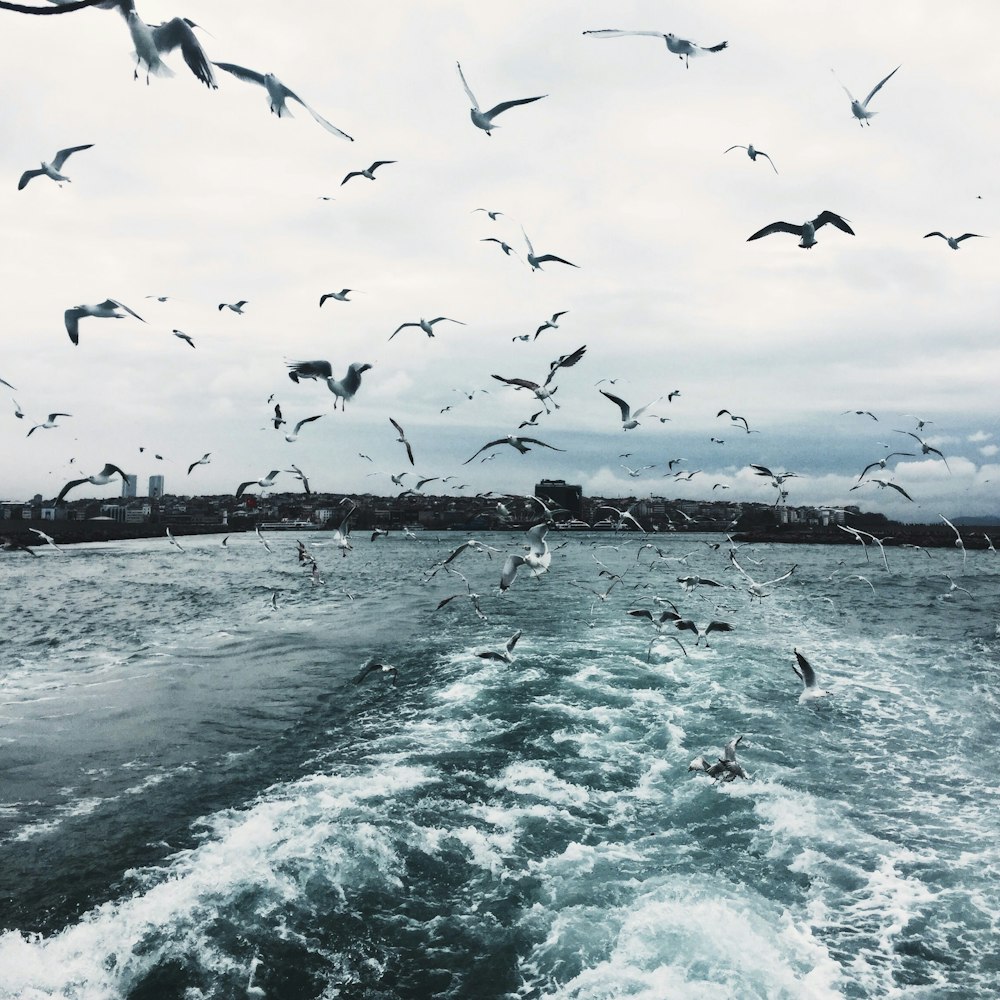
(198, 803)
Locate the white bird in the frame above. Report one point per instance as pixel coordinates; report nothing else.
(492, 215)
(520, 443)
(341, 534)
(183, 336)
(48, 539)
(953, 241)
(659, 622)
(537, 558)
(753, 153)
(262, 539)
(173, 541)
(507, 249)
(368, 172)
(683, 48)
(807, 231)
(344, 389)
(757, 589)
(804, 671)
(926, 449)
(108, 309)
(52, 169)
(236, 307)
(484, 119)
(375, 667)
(507, 656)
(630, 417)
(277, 94)
(300, 475)
(204, 460)
(402, 440)
(293, 435)
(18, 412)
(550, 324)
(340, 296)
(860, 108)
(427, 325)
(726, 767)
(102, 478)
(536, 260)
(49, 423)
(266, 483)
(959, 543)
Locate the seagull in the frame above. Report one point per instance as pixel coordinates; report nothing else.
(18, 412)
(954, 586)
(550, 324)
(636, 473)
(277, 419)
(374, 667)
(300, 475)
(473, 544)
(681, 47)
(368, 172)
(536, 261)
(953, 241)
(507, 655)
(183, 336)
(804, 671)
(173, 541)
(51, 169)
(426, 325)
(543, 395)
(506, 247)
(341, 534)
(236, 307)
(659, 622)
(277, 94)
(882, 484)
(757, 589)
(689, 583)
(753, 154)
(492, 215)
(630, 418)
(622, 517)
(926, 449)
(726, 768)
(48, 539)
(860, 108)
(685, 624)
(294, 434)
(484, 119)
(807, 231)
(101, 479)
(734, 418)
(472, 596)
(266, 483)
(49, 423)
(108, 309)
(520, 443)
(344, 389)
(537, 558)
(861, 413)
(402, 440)
(959, 544)
(340, 296)
(204, 460)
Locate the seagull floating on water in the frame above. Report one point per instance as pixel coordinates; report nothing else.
(683, 48)
(726, 768)
(807, 230)
(484, 119)
(52, 169)
(344, 389)
(108, 309)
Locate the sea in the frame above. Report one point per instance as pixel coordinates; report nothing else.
(197, 801)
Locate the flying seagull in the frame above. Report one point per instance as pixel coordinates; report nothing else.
(402, 440)
(49, 423)
(757, 589)
(860, 108)
(659, 622)
(183, 336)
(506, 247)
(926, 449)
(264, 483)
(236, 307)
(51, 169)
(173, 541)
(427, 325)
(101, 479)
(368, 172)
(277, 94)
(204, 460)
(804, 671)
(952, 241)
(536, 260)
(726, 768)
(340, 296)
(807, 231)
(520, 443)
(630, 417)
(293, 435)
(681, 47)
(507, 656)
(484, 119)
(753, 154)
(550, 324)
(48, 539)
(492, 215)
(537, 558)
(374, 667)
(344, 389)
(108, 309)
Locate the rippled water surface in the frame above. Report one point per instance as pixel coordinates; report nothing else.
(198, 803)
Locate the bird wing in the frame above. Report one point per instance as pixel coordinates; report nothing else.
(899, 489)
(401, 327)
(769, 160)
(521, 383)
(714, 626)
(878, 86)
(437, 319)
(489, 444)
(619, 33)
(936, 233)
(510, 567)
(731, 148)
(729, 750)
(317, 117)
(64, 154)
(512, 641)
(776, 227)
(965, 236)
(242, 73)
(353, 173)
(309, 369)
(824, 217)
(178, 32)
(306, 420)
(804, 670)
(620, 403)
(642, 410)
(762, 470)
(552, 256)
(542, 443)
(777, 579)
(398, 428)
(27, 176)
(507, 105)
(685, 624)
(472, 96)
(565, 361)
(641, 613)
(72, 320)
(70, 485)
(121, 305)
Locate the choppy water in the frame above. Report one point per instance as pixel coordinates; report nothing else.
(197, 803)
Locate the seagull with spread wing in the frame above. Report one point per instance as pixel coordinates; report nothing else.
(266, 483)
(48, 424)
(108, 309)
(101, 479)
(402, 440)
(52, 169)
(368, 172)
(344, 389)
(953, 241)
(536, 260)
(427, 325)
(683, 48)
(753, 153)
(860, 108)
(484, 119)
(630, 417)
(520, 443)
(807, 230)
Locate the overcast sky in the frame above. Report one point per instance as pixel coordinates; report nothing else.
(206, 197)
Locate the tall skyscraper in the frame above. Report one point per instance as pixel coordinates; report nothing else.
(155, 487)
(129, 486)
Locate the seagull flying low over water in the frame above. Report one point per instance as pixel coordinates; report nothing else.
(108, 309)
(683, 48)
(537, 558)
(101, 479)
(726, 768)
(277, 94)
(757, 589)
(427, 325)
(368, 172)
(804, 671)
(630, 417)
(484, 119)
(507, 656)
(48, 539)
(344, 389)
(51, 169)
(520, 443)
(536, 260)
(49, 423)
(264, 483)
(953, 241)
(807, 231)
(374, 667)
(340, 296)
(753, 154)
(860, 108)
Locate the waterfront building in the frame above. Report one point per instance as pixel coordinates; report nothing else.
(155, 487)
(129, 486)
